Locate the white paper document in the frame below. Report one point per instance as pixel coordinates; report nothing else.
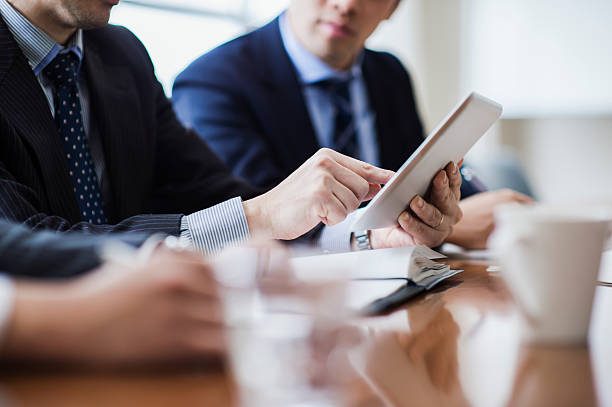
(413, 262)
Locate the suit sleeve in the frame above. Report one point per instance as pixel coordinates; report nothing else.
(46, 254)
(188, 175)
(20, 203)
(211, 100)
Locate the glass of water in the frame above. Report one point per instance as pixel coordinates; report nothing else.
(282, 332)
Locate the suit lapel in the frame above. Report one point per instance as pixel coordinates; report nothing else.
(25, 107)
(286, 111)
(398, 126)
(387, 142)
(117, 113)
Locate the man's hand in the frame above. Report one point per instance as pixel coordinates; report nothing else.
(165, 310)
(326, 188)
(473, 231)
(431, 222)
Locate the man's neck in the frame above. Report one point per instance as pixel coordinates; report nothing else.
(340, 63)
(42, 17)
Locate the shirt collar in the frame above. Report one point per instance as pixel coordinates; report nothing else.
(36, 45)
(309, 67)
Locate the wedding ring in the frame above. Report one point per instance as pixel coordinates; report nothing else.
(439, 223)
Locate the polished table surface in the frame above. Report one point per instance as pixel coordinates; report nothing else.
(456, 346)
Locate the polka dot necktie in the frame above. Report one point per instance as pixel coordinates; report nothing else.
(345, 131)
(63, 72)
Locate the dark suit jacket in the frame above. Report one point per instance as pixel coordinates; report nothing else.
(49, 254)
(244, 98)
(154, 165)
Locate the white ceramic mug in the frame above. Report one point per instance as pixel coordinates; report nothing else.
(550, 257)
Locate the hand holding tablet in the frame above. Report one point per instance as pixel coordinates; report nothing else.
(449, 142)
(430, 219)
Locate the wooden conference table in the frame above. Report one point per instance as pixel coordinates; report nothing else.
(456, 346)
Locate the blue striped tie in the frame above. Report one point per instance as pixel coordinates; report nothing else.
(345, 131)
(63, 72)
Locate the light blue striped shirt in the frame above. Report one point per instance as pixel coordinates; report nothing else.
(208, 230)
(40, 49)
(320, 106)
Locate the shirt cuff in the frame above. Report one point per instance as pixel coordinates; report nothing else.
(7, 293)
(210, 230)
(337, 238)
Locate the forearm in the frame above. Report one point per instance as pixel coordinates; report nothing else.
(257, 219)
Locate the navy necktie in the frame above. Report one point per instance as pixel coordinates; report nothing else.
(63, 72)
(345, 130)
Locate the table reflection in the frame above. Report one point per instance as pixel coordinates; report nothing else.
(458, 346)
(414, 367)
(554, 377)
(113, 388)
(462, 347)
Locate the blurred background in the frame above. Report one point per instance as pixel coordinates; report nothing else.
(548, 62)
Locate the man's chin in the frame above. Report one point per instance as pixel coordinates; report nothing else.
(98, 21)
(339, 56)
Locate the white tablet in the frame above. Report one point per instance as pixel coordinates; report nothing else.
(450, 141)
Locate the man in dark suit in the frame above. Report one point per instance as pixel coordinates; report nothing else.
(266, 101)
(89, 142)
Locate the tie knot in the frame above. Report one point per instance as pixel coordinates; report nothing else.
(337, 88)
(63, 70)
(333, 84)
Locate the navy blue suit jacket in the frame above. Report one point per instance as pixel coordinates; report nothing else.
(156, 168)
(244, 98)
(49, 254)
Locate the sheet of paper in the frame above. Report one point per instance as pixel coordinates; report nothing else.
(366, 264)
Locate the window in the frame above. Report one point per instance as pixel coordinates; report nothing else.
(176, 32)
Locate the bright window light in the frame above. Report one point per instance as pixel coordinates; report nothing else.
(175, 32)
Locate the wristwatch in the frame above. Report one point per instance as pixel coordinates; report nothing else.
(362, 238)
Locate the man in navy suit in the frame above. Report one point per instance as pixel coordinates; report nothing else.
(268, 100)
(90, 143)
